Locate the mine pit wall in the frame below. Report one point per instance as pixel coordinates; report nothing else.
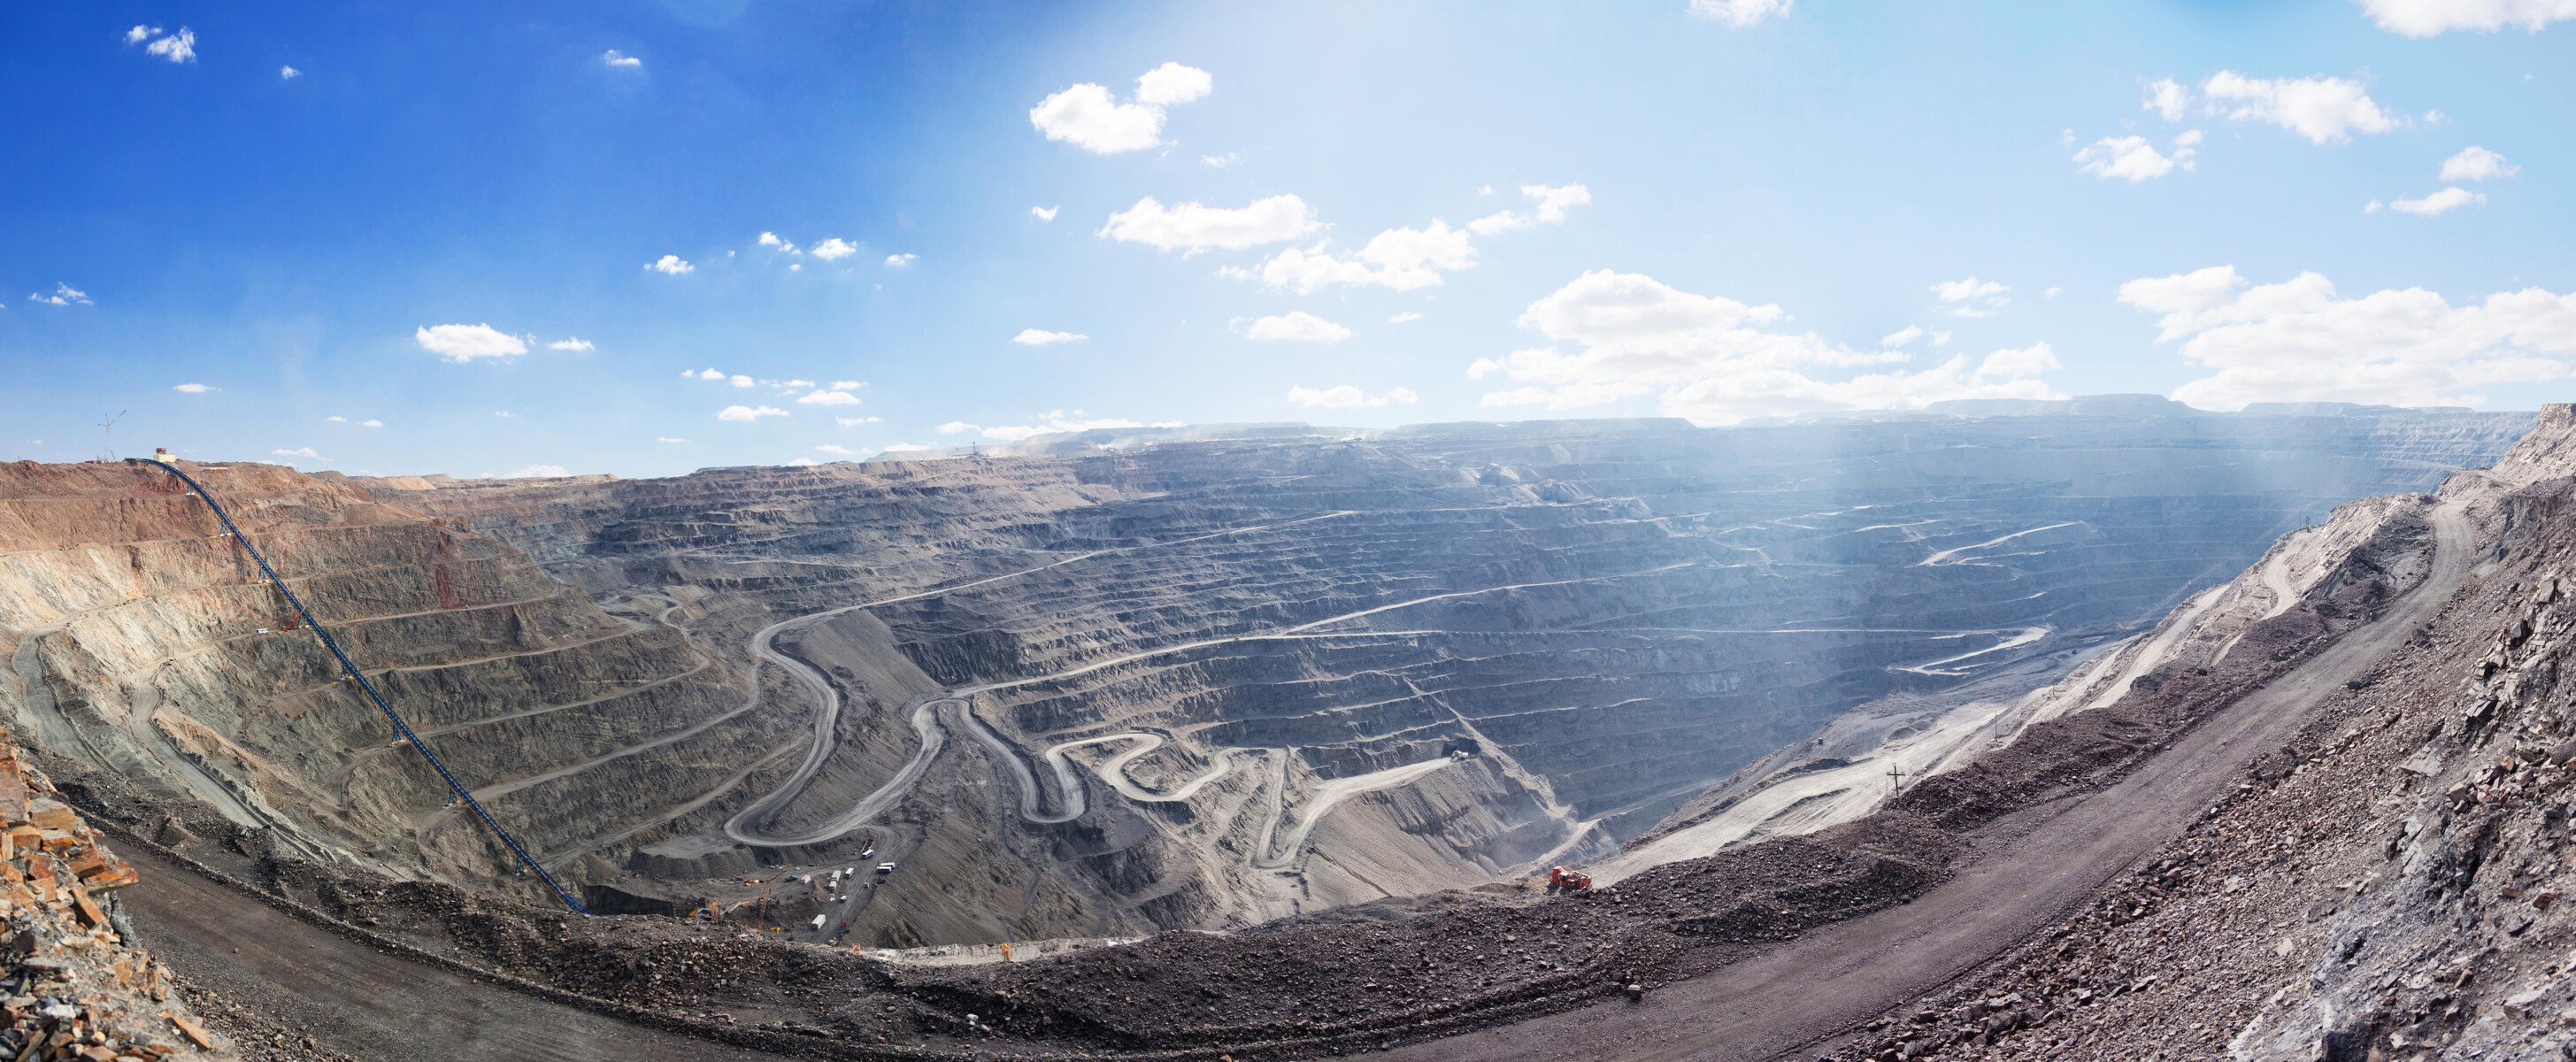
(135, 648)
(1593, 697)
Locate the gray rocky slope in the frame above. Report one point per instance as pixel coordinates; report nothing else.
(1129, 684)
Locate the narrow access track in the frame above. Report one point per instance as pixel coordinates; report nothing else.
(1837, 977)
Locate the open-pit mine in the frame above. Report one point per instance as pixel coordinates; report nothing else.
(1286, 683)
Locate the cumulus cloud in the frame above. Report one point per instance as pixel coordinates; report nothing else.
(536, 472)
(1349, 397)
(835, 249)
(1716, 360)
(896, 260)
(614, 59)
(2168, 99)
(193, 388)
(2438, 202)
(772, 239)
(1056, 421)
(748, 413)
(1973, 297)
(1194, 227)
(1221, 161)
(1044, 213)
(670, 264)
(958, 427)
(2477, 164)
(1399, 259)
(832, 449)
(64, 295)
(139, 34)
(2133, 159)
(1088, 117)
(852, 422)
(1034, 337)
(2426, 18)
(1552, 205)
(337, 420)
(2301, 341)
(848, 385)
(288, 73)
(829, 398)
(301, 451)
(1740, 13)
(570, 343)
(666, 438)
(1297, 326)
(1901, 337)
(1404, 318)
(371, 423)
(905, 448)
(741, 381)
(180, 47)
(2326, 110)
(462, 343)
(803, 462)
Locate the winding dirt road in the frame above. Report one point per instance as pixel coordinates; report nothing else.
(2036, 866)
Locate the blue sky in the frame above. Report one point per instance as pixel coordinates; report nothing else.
(503, 237)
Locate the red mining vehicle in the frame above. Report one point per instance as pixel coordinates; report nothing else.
(1560, 879)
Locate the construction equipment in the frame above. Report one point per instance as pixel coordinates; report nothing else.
(1560, 879)
(707, 912)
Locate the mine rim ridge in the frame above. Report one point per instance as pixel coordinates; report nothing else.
(462, 794)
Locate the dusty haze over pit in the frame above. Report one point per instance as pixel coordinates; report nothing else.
(1110, 684)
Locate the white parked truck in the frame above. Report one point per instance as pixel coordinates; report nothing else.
(818, 923)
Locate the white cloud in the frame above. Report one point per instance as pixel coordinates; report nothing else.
(337, 420)
(288, 73)
(2326, 110)
(831, 449)
(2438, 202)
(710, 374)
(1901, 337)
(2168, 99)
(64, 295)
(1349, 397)
(848, 385)
(835, 249)
(1088, 117)
(1404, 318)
(371, 424)
(2018, 364)
(2426, 18)
(905, 448)
(1034, 337)
(666, 438)
(803, 462)
(572, 343)
(1199, 228)
(1044, 213)
(1972, 297)
(896, 260)
(772, 239)
(536, 472)
(748, 413)
(670, 264)
(1297, 326)
(462, 343)
(829, 398)
(1552, 205)
(2052, 292)
(614, 59)
(1739, 13)
(1399, 259)
(741, 381)
(1055, 421)
(1221, 161)
(139, 34)
(852, 422)
(958, 427)
(2373, 207)
(503, 413)
(2132, 159)
(1940, 338)
(2477, 164)
(193, 388)
(789, 384)
(180, 47)
(2299, 341)
(1715, 360)
(301, 451)
(1171, 84)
